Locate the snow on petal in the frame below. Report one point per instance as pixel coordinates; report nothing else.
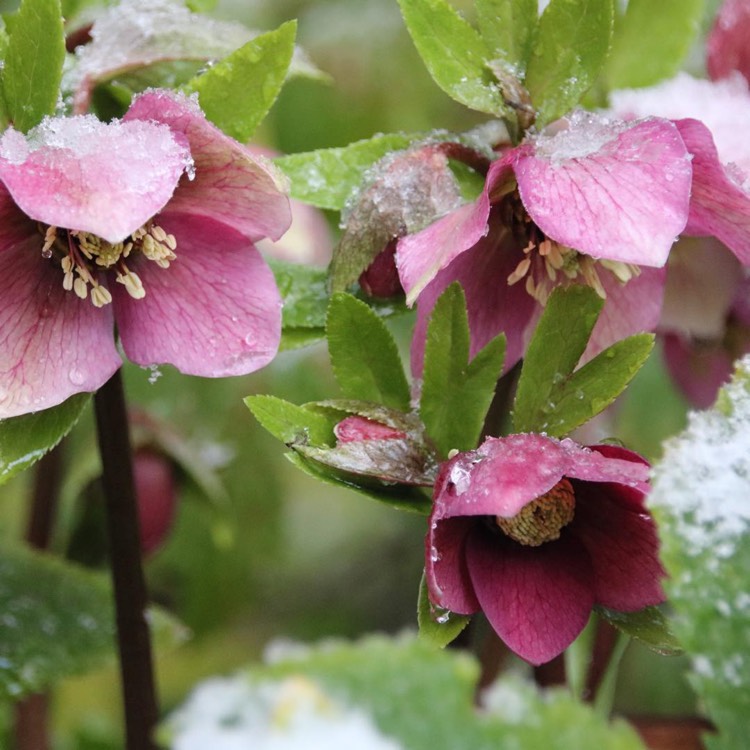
(52, 344)
(727, 47)
(537, 599)
(720, 205)
(722, 106)
(612, 190)
(80, 173)
(230, 184)
(215, 312)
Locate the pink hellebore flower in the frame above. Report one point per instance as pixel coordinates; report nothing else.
(535, 531)
(148, 223)
(589, 200)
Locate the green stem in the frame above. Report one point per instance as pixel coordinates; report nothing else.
(605, 695)
(133, 637)
(578, 658)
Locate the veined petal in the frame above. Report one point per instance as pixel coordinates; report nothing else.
(420, 256)
(720, 204)
(81, 173)
(52, 344)
(538, 599)
(214, 312)
(492, 305)
(231, 184)
(727, 45)
(446, 572)
(612, 190)
(622, 543)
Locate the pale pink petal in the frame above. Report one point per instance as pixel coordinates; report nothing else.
(52, 344)
(231, 185)
(537, 599)
(698, 369)
(357, 428)
(702, 277)
(420, 256)
(80, 173)
(622, 543)
(493, 306)
(608, 189)
(719, 206)
(446, 572)
(214, 312)
(630, 308)
(723, 106)
(606, 464)
(727, 45)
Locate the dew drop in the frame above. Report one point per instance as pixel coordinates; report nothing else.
(76, 376)
(47, 253)
(249, 339)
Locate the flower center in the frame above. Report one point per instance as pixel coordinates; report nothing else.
(546, 263)
(542, 519)
(83, 256)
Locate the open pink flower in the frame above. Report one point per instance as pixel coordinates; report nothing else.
(148, 223)
(535, 531)
(590, 200)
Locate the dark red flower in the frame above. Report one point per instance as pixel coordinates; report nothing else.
(535, 531)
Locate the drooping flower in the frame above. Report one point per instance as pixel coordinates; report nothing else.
(148, 223)
(590, 200)
(727, 48)
(535, 531)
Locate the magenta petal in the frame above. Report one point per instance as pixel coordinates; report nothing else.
(446, 573)
(80, 173)
(622, 544)
(630, 308)
(52, 344)
(231, 184)
(727, 45)
(538, 599)
(719, 206)
(608, 189)
(214, 312)
(493, 307)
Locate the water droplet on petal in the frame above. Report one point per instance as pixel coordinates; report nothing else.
(75, 376)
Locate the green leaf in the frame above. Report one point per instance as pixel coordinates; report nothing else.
(325, 178)
(558, 343)
(437, 626)
(33, 63)
(201, 6)
(57, 621)
(453, 52)
(650, 626)
(303, 290)
(237, 92)
(507, 27)
(24, 440)
(590, 390)
(700, 500)
(569, 50)
(291, 423)
(452, 386)
(650, 43)
(364, 355)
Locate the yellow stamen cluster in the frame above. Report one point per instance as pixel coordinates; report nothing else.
(543, 518)
(544, 262)
(82, 255)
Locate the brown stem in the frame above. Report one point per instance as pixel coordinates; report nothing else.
(136, 663)
(31, 715)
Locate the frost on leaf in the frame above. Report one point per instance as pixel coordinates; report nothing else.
(701, 498)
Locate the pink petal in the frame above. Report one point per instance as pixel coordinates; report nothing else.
(702, 277)
(420, 256)
(214, 312)
(608, 189)
(606, 464)
(727, 45)
(103, 178)
(357, 428)
(230, 185)
(622, 544)
(719, 206)
(630, 308)
(446, 573)
(493, 307)
(52, 344)
(538, 599)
